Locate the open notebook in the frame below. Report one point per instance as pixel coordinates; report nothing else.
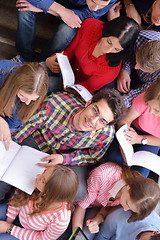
(141, 158)
(18, 166)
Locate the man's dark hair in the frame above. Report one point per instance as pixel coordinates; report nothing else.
(114, 101)
(155, 237)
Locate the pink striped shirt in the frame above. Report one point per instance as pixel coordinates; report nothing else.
(48, 225)
(100, 182)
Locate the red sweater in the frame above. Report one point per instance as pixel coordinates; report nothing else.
(93, 73)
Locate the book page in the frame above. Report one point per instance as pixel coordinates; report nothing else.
(85, 94)
(23, 169)
(66, 70)
(7, 156)
(126, 146)
(69, 79)
(146, 159)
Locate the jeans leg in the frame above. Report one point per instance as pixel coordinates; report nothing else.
(3, 211)
(6, 66)
(82, 175)
(6, 236)
(55, 81)
(26, 35)
(61, 39)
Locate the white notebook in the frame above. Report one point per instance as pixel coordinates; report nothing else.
(18, 166)
(69, 78)
(141, 158)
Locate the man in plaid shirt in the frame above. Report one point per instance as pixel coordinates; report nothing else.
(132, 81)
(73, 132)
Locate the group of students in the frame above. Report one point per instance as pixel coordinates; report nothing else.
(103, 56)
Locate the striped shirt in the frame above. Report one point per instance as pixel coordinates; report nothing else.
(145, 78)
(101, 180)
(48, 225)
(51, 128)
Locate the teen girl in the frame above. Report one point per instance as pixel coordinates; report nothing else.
(22, 91)
(45, 214)
(109, 185)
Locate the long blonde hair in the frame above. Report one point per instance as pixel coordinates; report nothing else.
(31, 78)
(61, 187)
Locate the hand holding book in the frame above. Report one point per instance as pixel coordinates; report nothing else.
(141, 158)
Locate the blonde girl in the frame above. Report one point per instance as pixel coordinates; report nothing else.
(21, 93)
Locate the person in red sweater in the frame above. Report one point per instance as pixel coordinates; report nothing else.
(96, 52)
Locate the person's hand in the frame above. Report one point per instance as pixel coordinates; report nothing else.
(114, 11)
(123, 82)
(24, 5)
(5, 134)
(52, 64)
(92, 225)
(132, 13)
(53, 159)
(70, 18)
(4, 226)
(132, 137)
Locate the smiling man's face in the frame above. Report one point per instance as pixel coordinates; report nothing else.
(93, 117)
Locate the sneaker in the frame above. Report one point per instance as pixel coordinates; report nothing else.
(18, 59)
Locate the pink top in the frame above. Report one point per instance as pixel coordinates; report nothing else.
(48, 225)
(101, 180)
(146, 122)
(93, 73)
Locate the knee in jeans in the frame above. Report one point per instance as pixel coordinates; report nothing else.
(25, 16)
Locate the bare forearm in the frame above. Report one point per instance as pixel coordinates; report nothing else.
(56, 9)
(78, 217)
(151, 140)
(9, 220)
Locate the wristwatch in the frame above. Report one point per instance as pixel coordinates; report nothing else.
(144, 141)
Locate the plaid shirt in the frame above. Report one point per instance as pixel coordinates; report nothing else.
(146, 78)
(51, 128)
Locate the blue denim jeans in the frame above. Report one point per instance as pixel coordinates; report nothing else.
(5, 67)
(55, 80)
(26, 37)
(5, 236)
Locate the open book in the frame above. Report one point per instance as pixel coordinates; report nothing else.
(18, 166)
(69, 79)
(141, 158)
